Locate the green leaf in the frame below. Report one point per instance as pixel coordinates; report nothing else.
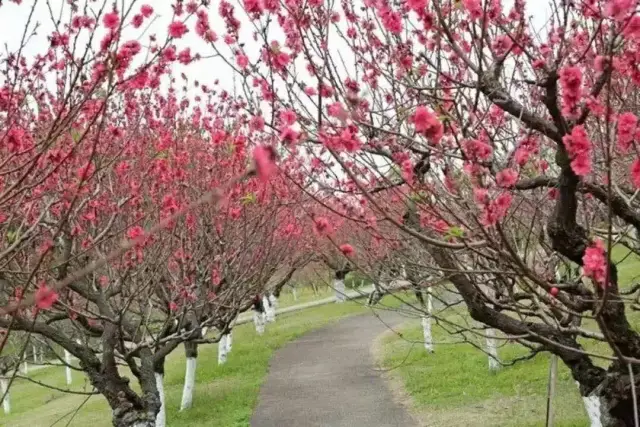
(12, 236)
(455, 231)
(249, 199)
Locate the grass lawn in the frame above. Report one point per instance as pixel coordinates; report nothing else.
(453, 386)
(225, 396)
(305, 294)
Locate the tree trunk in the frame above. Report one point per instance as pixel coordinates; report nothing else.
(338, 286)
(269, 309)
(222, 350)
(67, 360)
(191, 353)
(273, 300)
(35, 353)
(492, 350)
(426, 323)
(259, 321)
(4, 391)
(229, 341)
(161, 417)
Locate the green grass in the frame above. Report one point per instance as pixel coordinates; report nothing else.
(453, 386)
(225, 395)
(305, 294)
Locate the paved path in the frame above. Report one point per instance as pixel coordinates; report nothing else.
(327, 378)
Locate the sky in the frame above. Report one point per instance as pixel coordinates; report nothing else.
(13, 19)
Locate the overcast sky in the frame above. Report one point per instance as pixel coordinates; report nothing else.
(13, 19)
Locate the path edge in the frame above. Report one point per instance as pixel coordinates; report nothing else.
(393, 382)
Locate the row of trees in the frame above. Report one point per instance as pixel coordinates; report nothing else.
(464, 140)
(132, 216)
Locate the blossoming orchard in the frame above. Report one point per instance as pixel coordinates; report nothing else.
(169, 170)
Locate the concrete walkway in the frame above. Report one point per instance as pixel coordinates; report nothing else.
(327, 378)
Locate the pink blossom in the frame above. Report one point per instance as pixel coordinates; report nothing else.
(635, 173)
(627, 123)
(578, 147)
(481, 195)
(346, 249)
(253, 7)
(632, 30)
(337, 110)
(581, 164)
(496, 210)
(322, 225)
(132, 47)
(264, 158)
(289, 136)
(257, 123)
(288, 117)
(407, 171)
(45, 297)
(135, 232)
(571, 83)
(474, 7)
(177, 29)
(417, 5)
(427, 123)
(146, 10)
(502, 44)
(184, 57)
(242, 60)
(392, 21)
(111, 20)
(506, 178)
(477, 150)
(594, 262)
(619, 9)
(137, 21)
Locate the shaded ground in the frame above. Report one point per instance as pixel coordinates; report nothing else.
(328, 378)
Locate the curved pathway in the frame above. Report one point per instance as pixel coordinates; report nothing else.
(327, 378)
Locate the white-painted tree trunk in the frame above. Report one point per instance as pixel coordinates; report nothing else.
(338, 286)
(426, 323)
(222, 350)
(258, 321)
(229, 341)
(204, 331)
(492, 343)
(274, 305)
(67, 360)
(42, 354)
(295, 294)
(35, 353)
(189, 383)
(270, 310)
(6, 402)
(492, 349)
(25, 367)
(161, 418)
(593, 406)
